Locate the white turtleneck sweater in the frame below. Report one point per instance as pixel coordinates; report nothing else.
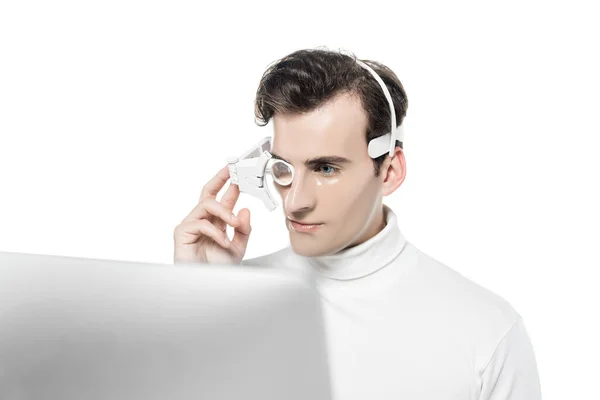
(401, 325)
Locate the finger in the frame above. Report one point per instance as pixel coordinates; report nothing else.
(189, 233)
(209, 208)
(228, 201)
(242, 232)
(212, 188)
(231, 196)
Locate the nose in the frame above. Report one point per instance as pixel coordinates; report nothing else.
(300, 196)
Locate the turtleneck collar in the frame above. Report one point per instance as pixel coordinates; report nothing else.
(366, 258)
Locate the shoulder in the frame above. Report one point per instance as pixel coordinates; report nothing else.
(481, 316)
(460, 295)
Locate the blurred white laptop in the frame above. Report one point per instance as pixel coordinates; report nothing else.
(76, 328)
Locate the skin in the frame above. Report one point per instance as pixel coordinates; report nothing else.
(201, 236)
(344, 196)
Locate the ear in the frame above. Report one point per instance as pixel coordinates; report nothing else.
(393, 172)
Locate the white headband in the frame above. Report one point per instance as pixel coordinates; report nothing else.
(379, 146)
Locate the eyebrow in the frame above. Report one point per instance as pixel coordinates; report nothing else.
(312, 162)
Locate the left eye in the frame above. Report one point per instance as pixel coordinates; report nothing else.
(327, 169)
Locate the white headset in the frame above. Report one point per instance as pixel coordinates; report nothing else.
(379, 146)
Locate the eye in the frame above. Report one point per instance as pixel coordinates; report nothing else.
(327, 169)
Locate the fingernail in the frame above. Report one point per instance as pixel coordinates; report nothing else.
(234, 217)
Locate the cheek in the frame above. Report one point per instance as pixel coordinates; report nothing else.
(281, 190)
(347, 196)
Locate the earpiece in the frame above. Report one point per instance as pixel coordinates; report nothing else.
(379, 146)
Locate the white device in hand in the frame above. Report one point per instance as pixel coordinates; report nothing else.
(250, 169)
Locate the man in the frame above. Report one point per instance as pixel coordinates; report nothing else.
(400, 324)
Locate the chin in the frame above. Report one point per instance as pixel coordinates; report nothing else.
(308, 248)
(307, 251)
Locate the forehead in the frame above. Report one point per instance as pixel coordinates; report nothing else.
(336, 128)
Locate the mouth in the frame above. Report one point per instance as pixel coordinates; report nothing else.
(304, 226)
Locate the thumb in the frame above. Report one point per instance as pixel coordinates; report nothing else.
(242, 232)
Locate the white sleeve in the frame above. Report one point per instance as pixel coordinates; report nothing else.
(512, 372)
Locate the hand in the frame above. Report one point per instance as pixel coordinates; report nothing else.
(202, 237)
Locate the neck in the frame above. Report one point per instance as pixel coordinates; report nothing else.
(365, 258)
(376, 225)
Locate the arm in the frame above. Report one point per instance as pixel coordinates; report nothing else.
(511, 373)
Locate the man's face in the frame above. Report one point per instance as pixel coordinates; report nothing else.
(334, 186)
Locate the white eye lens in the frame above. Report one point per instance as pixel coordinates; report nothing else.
(282, 172)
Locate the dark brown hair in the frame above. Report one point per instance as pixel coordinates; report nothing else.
(306, 79)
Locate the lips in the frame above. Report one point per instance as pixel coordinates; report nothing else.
(304, 227)
(305, 223)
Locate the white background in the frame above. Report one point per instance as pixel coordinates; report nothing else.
(114, 114)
